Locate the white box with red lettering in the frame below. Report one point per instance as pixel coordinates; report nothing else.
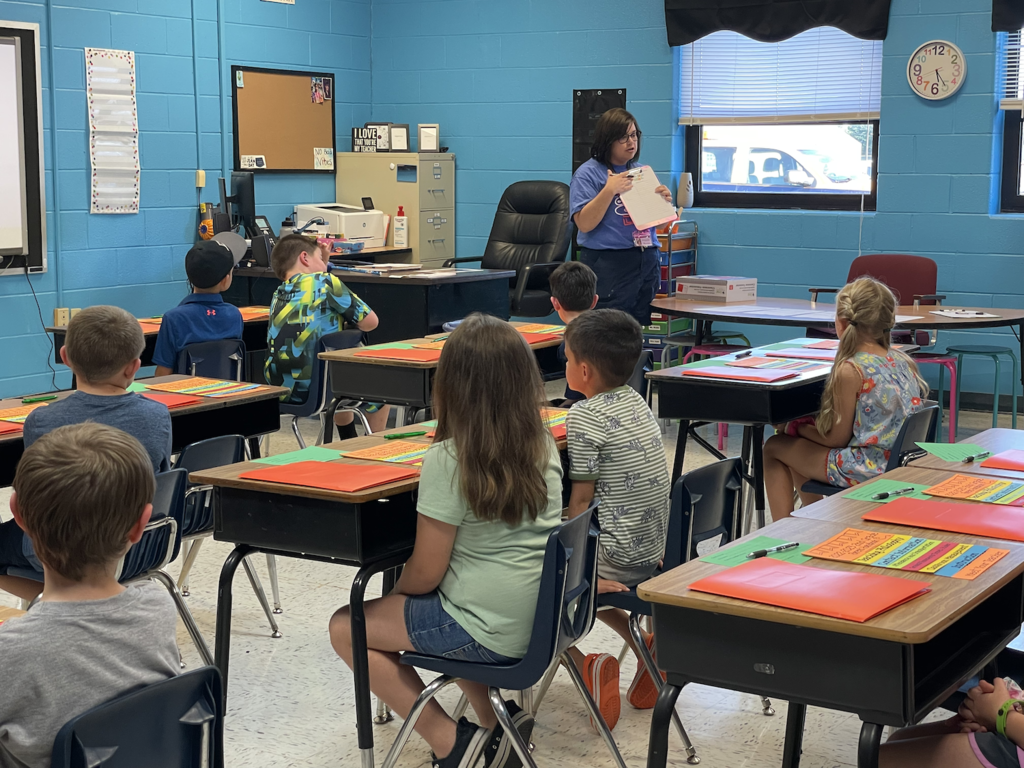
(724, 288)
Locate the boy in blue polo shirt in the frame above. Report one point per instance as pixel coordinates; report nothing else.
(203, 315)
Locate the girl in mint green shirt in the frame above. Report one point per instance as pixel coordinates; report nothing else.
(490, 493)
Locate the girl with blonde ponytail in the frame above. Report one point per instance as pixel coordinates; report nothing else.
(868, 396)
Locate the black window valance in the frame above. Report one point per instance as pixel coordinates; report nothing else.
(773, 20)
(1007, 15)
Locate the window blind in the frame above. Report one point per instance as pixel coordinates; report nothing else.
(1011, 85)
(821, 75)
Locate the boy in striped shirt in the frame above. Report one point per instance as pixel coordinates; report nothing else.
(615, 454)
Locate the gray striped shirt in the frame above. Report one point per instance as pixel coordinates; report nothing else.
(615, 441)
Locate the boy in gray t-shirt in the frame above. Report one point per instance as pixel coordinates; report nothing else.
(83, 494)
(615, 454)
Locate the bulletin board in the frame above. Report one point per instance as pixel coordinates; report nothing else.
(283, 120)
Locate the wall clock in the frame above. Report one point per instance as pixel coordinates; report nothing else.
(936, 70)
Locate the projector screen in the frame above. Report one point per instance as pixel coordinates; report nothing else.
(13, 205)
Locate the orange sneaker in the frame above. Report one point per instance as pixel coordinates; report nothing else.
(601, 674)
(643, 693)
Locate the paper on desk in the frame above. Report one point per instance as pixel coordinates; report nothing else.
(136, 386)
(957, 313)
(645, 206)
(908, 318)
(312, 453)
(866, 491)
(737, 553)
(952, 451)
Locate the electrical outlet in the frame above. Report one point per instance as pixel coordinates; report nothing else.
(200, 179)
(61, 316)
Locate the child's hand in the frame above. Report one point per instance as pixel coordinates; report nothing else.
(604, 586)
(983, 702)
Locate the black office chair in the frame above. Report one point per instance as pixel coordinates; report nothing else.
(176, 723)
(222, 359)
(919, 427)
(530, 234)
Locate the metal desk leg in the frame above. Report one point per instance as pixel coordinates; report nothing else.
(757, 448)
(1020, 335)
(254, 448)
(383, 712)
(698, 333)
(677, 461)
(794, 735)
(867, 746)
(360, 666)
(657, 755)
(222, 646)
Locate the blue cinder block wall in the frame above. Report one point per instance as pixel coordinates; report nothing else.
(137, 261)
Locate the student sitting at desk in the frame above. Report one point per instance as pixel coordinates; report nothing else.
(573, 291)
(490, 492)
(869, 394)
(308, 304)
(203, 315)
(83, 495)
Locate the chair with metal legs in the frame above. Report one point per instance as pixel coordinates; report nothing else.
(566, 609)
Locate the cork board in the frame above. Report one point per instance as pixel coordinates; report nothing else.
(283, 120)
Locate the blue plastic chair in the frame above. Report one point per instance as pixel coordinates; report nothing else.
(221, 359)
(318, 402)
(566, 609)
(198, 519)
(176, 723)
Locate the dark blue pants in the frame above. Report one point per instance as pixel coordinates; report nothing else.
(626, 280)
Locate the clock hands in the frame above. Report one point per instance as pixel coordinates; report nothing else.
(939, 76)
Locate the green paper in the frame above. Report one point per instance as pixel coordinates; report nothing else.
(393, 345)
(952, 451)
(427, 424)
(736, 554)
(865, 491)
(136, 386)
(313, 453)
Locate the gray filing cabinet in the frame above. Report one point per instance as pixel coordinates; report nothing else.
(423, 184)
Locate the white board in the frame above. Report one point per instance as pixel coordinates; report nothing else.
(13, 210)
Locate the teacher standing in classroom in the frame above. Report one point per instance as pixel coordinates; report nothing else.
(624, 258)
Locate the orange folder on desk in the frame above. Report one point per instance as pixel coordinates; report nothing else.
(742, 374)
(418, 355)
(840, 594)
(149, 327)
(994, 521)
(1005, 460)
(171, 400)
(537, 338)
(8, 427)
(332, 476)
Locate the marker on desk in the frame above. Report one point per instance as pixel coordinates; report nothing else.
(40, 399)
(743, 354)
(887, 494)
(404, 434)
(772, 550)
(969, 459)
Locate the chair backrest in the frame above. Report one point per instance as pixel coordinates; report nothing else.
(318, 384)
(638, 379)
(919, 427)
(704, 505)
(906, 275)
(163, 725)
(161, 540)
(206, 454)
(530, 226)
(222, 359)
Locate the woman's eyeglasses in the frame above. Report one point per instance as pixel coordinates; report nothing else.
(634, 136)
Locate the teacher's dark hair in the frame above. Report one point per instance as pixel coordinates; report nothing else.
(613, 125)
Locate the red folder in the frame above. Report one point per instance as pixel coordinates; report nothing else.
(741, 374)
(558, 431)
(333, 476)
(172, 400)
(994, 520)
(1006, 460)
(841, 594)
(7, 427)
(537, 338)
(419, 355)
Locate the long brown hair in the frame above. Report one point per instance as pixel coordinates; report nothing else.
(612, 126)
(488, 395)
(869, 308)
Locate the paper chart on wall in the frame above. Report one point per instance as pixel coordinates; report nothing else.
(113, 130)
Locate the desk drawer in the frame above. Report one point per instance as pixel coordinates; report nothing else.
(437, 184)
(437, 235)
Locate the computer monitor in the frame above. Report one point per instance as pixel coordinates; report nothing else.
(243, 195)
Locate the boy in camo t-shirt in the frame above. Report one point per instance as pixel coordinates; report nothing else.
(616, 454)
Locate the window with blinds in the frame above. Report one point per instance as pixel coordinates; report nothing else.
(1010, 88)
(1011, 85)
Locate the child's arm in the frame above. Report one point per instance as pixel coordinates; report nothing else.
(845, 402)
(582, 495)
(429, 560)
(162, 370)
(982, 706)
(355, 311)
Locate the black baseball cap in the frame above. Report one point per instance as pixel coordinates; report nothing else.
(209, 261)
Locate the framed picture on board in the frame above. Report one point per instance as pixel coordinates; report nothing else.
(383, 135)
(399, 137)
(429, 137)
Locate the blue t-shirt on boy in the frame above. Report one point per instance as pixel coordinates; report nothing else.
(199, 317)
(615, 231)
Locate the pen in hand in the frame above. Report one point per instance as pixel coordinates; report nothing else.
(982, 455)
(887, 494)
(772, 550)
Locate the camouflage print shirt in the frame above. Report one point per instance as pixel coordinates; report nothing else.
(304, 308)
(615, 441)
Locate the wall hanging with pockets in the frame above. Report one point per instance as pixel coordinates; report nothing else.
(283, 120)
(113, 130)
(587, 108)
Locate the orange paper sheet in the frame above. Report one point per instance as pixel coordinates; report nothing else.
(419, 355)
(754, 374)
(172, 400)
(432, 345)
(976, 488)
(149, 327)
(254, 313)
(997, 522)
(9, 427)
(1006, 460)
(840, 594)
(19, 413)
(537, 338)
(541, 328)
(748, 362)
(826, 344)
(396, 451)
(332, 476)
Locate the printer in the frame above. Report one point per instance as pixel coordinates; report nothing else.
(348, 221)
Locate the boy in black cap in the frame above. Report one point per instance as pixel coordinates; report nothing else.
(203, 315)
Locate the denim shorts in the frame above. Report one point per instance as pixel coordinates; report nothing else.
(434, 633)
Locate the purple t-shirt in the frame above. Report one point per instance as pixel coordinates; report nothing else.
(615, 231)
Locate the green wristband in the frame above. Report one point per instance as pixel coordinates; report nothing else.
(1004, 712)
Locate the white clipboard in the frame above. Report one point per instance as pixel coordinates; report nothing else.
(645, 206)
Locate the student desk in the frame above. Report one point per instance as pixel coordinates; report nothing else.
(372, 530)
(891, 670)
(406, 305)
(770, 311)
(247, 414)
(994, 440)
(10, 613)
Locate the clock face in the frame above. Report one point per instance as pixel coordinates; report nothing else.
(936, 70)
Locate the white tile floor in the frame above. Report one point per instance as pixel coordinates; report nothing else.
(290, 700)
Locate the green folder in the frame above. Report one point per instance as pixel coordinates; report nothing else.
(313, 453)
(952, 451)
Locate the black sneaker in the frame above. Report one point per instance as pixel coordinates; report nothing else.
(500, 753)
(469, 742)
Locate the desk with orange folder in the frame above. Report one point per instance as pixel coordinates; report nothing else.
(892, 669)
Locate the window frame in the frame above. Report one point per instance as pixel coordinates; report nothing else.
(1010, 199)
(693, 158)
